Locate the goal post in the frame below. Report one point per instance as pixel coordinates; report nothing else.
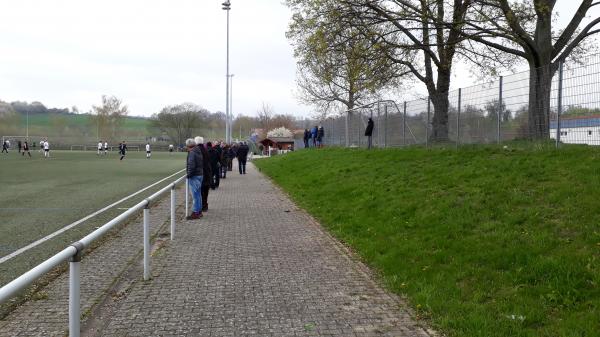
(78, 147)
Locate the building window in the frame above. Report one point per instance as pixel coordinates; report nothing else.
(589, 132)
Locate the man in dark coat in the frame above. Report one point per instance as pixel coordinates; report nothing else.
(224, 161)
(306, 138)
(242, 155)
(320, 135)
(213, 156)
(369, 131)
(195, 173)
(207, 178)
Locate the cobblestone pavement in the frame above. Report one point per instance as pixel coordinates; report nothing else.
(48, 314)
(255, 265)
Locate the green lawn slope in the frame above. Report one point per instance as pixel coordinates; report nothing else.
(483, 241)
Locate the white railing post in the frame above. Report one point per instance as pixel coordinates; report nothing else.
(75, 292)
(173, 212)
(147, 242)
(187, 196)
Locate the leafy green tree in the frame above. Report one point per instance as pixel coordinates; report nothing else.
(337, 66)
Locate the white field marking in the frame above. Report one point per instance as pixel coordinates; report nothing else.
(64, 229)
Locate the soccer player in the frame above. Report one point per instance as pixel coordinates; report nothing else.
(26, 149)
(148, 152)
(99, 147)
(5, 146)
(122, 149)
(105, 147)
(41, 146)
(46, 149)
(170, 148)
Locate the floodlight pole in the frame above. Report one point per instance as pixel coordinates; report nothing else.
(227, 7)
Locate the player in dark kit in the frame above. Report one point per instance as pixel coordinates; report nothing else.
(26, 149)
(122, 150)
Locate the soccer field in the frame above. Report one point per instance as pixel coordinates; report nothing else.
(41, 195)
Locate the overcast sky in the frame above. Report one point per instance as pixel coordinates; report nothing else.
(152, 53)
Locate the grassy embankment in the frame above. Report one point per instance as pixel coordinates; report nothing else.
(482, 241)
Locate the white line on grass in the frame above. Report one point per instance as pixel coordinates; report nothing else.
(64, 229)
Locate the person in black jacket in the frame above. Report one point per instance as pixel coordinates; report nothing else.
(195, 173)
(207, 178)
(369, 131)
(320, 135)
(242, 155)
(306, 138)
(214, 159)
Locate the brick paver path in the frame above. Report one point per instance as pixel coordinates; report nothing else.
(255, 265)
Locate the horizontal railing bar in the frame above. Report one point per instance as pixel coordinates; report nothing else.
(25, 280)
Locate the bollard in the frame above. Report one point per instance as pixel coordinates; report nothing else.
(173, 212)
(147, 242)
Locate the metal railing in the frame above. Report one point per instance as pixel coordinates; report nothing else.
(74, 254)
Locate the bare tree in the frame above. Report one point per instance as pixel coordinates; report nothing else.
(108, 117)
(422, 35)
(524, 29)
(180, 122)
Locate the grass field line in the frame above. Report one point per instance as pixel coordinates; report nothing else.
(66, 228)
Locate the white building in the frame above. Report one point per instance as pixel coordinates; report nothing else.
(578, 130)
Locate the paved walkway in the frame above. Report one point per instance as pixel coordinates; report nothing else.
(255, 265)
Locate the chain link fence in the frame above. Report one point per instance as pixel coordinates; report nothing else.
(498, 111)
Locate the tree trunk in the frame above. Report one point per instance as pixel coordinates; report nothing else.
(440, 117)
(540, 85)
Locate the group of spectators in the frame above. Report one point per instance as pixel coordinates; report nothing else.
(316, 134)
(207, 164)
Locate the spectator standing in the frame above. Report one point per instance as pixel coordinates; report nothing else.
(215, 166)
(26, 149)
(320, 135)
(231, 153)
(195, 171)
(224, 161)
(122, 149)
(207, 180)
(306, 138)
(242, 156)
(313, 134)
(148, 152)
(369, 132)
(19, 145)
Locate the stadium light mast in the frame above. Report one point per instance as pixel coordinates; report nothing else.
(231, 107)
(227, 7)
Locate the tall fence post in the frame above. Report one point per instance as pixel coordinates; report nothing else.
(560, 107)
(404, 126)
(500, 110)
(173, 212)
(75, 292)
(147, 242)
(427, 122)
(385, 112)
(187, 196)
(347, 140)
(458, 118)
